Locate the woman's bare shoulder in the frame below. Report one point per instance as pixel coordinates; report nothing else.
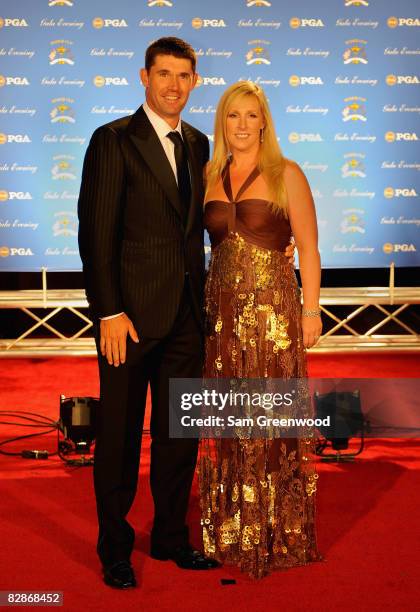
(292, 169)
(293, 174)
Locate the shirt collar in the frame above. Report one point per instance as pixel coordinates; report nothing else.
(161, 127)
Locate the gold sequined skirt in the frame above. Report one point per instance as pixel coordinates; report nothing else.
(257, 495)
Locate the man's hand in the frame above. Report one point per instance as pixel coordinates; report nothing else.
(114, 338)
(290, 251)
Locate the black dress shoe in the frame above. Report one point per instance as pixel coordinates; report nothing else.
(186, 558)
(120, 575)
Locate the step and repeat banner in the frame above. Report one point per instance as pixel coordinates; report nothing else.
(342, 78)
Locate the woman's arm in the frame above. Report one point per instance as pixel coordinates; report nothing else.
(302, 218)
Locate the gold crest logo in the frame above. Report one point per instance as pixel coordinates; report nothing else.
(65, 224)
(258, 53)
(355, 109)
(355, 52)
(61, 53)
(62, 111)
(353, 166)
(62, 168)
(352, 221)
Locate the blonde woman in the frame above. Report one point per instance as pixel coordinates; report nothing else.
(257, 494)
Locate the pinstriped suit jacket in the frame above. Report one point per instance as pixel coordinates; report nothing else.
(134, 245)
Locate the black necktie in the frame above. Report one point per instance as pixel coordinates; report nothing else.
(181, 159)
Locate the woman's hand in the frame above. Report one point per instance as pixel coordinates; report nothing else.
(311, 330)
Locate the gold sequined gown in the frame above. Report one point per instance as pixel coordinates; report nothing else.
(257, 495)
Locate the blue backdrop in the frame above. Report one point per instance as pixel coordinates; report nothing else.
(342, 77)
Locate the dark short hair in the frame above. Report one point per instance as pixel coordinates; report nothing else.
(169, 45)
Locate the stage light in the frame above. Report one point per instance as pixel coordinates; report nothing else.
(77, 421)
(346, 420)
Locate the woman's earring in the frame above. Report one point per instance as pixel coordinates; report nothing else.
(262, 135)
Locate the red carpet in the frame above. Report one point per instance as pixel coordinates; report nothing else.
(367, 517)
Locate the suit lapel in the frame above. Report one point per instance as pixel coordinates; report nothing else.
(147, 142)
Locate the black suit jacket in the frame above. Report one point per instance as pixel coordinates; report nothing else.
(134, 245)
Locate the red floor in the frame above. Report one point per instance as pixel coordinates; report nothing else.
(367, 517)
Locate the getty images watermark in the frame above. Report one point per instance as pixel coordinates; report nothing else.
(294, 408)
(233, 404)
(231, 408)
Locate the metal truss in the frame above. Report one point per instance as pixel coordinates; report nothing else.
(54, 342)
(362, 303)
(341, 334)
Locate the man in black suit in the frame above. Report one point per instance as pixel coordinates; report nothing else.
(141, 244)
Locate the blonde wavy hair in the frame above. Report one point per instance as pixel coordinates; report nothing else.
(271, 162)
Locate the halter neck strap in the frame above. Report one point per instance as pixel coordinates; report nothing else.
(228, 187)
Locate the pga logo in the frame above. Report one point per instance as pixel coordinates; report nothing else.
(5, 251)
(295, 80)
(406, 136)
(19, 195)
(311, 80)
(400, 192)
(214, 81)
(398, 136)
(13, 23)
(116, 81)
(101, 81)
(310, 138)
(16, 138)
(405, 193)
(99, 23)
(404, 248)
(407, 21)
(13, 80)
(210, 81)
(312, 23)
(20, 251)
(402, 79)
(198, 23)
(407, 80)
(295, 137)
(296, 22)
